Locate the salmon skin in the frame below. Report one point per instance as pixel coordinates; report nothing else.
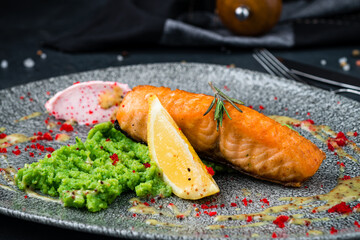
(251, 142)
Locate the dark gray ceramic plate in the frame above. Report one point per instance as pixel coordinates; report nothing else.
(293, 99)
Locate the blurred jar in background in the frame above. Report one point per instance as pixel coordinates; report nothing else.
(249, 17)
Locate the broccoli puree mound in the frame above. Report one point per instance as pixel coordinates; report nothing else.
(92, 174)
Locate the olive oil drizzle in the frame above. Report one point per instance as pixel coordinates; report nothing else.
(32, 115)
(142, 208)
(163, 224)
(9, 175)
(346, 191)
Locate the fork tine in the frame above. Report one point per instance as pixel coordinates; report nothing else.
(267, 64)
(274, 62)
(281, 67)
(263, 64)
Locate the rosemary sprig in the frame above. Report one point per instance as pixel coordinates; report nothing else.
(220, 107)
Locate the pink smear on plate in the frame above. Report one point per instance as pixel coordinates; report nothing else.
(80, 102)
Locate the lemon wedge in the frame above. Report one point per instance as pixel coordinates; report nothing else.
(181, 167)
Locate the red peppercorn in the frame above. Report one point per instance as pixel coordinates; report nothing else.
(274, 235)
(210, 170)
(342, 208)
(346, 177)
(333, 230)
(203, 206)
(115, 158)
(47, 137)
(17, 152)
(264, 200)
(66, 127)
(233, 204)
(3, 150)
(309, 121)
(330, 146)
(249, 219)
(147, 165)
(261, 107)
(2, 135)
(281, 220)
(355, 208)
(50, 149)
(212, 214)
(357, 224)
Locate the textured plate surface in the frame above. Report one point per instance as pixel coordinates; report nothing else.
(292, 99)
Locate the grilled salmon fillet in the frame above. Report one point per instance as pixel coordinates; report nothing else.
(251, 142)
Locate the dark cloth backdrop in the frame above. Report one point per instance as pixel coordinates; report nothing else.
(194, 23)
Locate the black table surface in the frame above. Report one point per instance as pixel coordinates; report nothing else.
(24, 24)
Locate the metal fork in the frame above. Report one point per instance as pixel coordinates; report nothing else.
(275, 68)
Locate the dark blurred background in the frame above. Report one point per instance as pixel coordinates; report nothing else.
(29, 26)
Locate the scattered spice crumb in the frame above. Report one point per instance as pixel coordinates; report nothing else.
(210, 170)
(342, 208)
(66, 127)
(333, 230)
(357, 224)
(281, 220)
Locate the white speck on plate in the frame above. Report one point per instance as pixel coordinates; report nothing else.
(29, 63)
(120, 58)
(323, 62)
(4, 64)
(346, 67)
(342, 60)
(43, 56)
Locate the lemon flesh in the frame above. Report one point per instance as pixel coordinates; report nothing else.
(181, 167)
